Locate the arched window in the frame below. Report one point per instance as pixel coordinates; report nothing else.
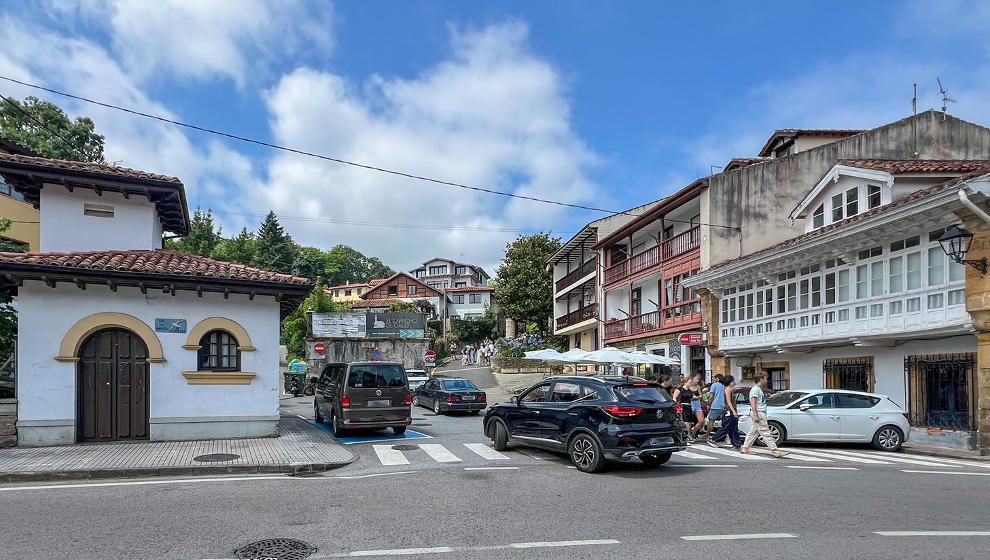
(218, 352)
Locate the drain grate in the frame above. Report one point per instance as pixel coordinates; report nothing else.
(405, 447)
(276, 549)
(216, 457)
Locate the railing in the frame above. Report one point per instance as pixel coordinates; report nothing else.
(644, 260)
(575, 317)
(617, 328)
(616, 272)
(681, 243)
(637, 324)
(575, 275)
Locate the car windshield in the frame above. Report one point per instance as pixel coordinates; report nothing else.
(376, 376)
(784, 397)
(649, 394)
(459, 385)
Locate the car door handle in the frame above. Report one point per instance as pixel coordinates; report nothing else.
(572, 413)
(536, 412)
(834, 417)
(874, 417)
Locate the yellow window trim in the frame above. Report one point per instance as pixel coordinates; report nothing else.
(219, 377)
(68, 350)
(219, 323)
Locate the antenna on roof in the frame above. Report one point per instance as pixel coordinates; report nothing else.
(914, 101)
(914, 121)
(945, 96)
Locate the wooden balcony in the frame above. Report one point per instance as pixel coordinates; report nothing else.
(576, 274)
(652, 257)
(637, 324)
(575, 317)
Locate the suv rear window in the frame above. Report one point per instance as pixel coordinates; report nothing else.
(376, 376)
(645, 394)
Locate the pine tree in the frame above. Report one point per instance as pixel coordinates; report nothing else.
(275, 249)
(202, 238)
(239, 249)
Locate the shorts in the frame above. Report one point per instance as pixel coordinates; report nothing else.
(715, 414)
(695, 406)
(687, 415)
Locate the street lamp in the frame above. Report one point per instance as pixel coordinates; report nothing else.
(956, 242)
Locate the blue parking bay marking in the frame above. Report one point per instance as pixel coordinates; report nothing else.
(384, 435)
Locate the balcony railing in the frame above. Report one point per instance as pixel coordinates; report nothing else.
(637, 324)
(575, 317)
(649, 258)
(576, 274)
(681, 243)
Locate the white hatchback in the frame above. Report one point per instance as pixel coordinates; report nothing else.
(833, 415)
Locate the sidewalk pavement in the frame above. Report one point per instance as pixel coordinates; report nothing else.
(937, 451)
(299, 448)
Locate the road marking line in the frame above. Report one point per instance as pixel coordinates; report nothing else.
(402, 551)
(147, 482)
(389, 456)
(933, 533)
(949, 472)
(692, 465)
(792, 456)
(822, 467)
(303, 417)
(354, 476)
(888, 457)
(739, 537)
(439, 453)
(964, 463)
(828, 455)
(721, 451)
(491, 468)
(550, 544)
(485, 451)
(690, 455)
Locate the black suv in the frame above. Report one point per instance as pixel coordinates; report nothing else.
(593, 420)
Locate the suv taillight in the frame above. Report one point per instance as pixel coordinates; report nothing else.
(409, 399)
(678, 408)
(622, 411)
(345, 402)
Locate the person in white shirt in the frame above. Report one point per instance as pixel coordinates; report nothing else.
(758, 408)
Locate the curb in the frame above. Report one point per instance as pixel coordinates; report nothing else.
(98, 474)
(946, 453)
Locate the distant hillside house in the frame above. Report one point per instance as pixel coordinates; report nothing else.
(398, 287)
(119, 339)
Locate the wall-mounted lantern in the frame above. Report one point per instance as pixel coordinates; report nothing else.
(956, 242)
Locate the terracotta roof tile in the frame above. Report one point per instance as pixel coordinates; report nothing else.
(376, 281)
(86, 167)
(157, 261)
(922, 193)
(897, 166)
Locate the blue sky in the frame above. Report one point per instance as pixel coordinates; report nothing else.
(604, 104)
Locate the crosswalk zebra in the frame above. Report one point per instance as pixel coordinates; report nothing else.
(438, 453)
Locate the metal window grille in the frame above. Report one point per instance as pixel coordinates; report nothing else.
(851, 374)
(941, 391)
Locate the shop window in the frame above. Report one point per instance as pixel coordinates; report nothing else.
(218, 352)
(778, 375)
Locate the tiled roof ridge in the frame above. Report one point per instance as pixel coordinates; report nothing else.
(90, 167)
(150, 261)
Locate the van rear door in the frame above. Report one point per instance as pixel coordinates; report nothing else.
(377, 393)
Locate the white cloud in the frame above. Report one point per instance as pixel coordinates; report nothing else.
(198, 40)
(491, 115)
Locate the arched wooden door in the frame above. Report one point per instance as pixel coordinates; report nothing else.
(112, 387)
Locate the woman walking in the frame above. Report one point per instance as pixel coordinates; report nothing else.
(689, 397)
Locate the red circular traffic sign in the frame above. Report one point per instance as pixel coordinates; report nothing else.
(319, 348)
(430, 354)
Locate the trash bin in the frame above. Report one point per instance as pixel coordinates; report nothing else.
(299, 376)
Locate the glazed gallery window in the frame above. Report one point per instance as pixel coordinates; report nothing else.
(474, 298)
(218, 352)
(410, 289)
(438, 270)
(818, 216)
(458, 298)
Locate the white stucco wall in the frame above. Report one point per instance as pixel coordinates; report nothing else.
(47, 388)
(135, 224)
(461, 309)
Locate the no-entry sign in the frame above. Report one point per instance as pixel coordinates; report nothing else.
(430, 358)
(692, 338)
(319, 348)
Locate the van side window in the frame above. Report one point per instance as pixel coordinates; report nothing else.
(331, 373)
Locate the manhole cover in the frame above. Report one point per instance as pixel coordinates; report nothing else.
(276, 549)
(216, 457)
(405, 447)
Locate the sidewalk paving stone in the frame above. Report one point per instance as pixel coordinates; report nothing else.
(299, 448)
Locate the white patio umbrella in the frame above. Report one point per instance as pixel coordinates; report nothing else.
(612, 355)
(547, 355)
(655, 359)
(576, 355)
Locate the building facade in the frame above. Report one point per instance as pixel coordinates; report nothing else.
(440, 273)
(348, 292)
(119, 339)
(468, 302)
(400, 287)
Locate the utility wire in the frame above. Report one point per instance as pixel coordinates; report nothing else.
(334, 159)
(377, 224)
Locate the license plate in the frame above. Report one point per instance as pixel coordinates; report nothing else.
(467, 398)
(656, 442)
(379, 403)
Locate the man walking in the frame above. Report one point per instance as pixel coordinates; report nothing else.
(716, 404)
(758, 407)
(730, 420)
(667, 382)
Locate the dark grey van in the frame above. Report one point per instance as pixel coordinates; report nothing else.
(363, 395)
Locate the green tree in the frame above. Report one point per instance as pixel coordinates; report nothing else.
(294, 326)
(345, 264)
(239, 249)
(202, 238)
(310, 262)
(473, 330)
(74, 140)
(275, 249)
(375, 268)
(8, 317)
(403, 307)
(524, 289)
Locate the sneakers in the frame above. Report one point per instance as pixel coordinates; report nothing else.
(744, 450)
(711, 443)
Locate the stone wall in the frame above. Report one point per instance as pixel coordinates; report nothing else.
(8, 422)
(978, 306)
(520, 365)
(407, 351)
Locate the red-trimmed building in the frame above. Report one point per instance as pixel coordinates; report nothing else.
(644, 264)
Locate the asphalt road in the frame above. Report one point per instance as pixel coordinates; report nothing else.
(526, 505)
